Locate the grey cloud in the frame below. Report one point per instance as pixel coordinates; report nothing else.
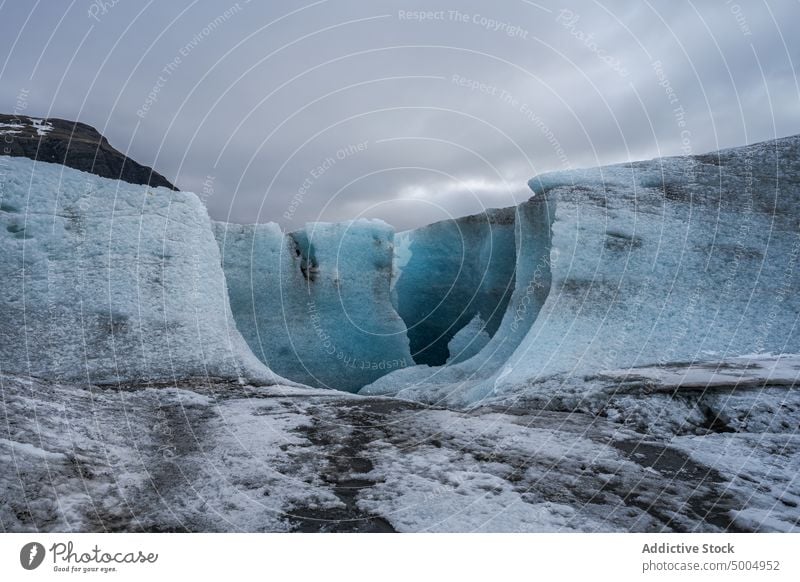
(572, 88)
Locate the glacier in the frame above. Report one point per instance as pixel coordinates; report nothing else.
(103, 282)
(618, 353)
(315, 304)
(683, 259)
(690, 258)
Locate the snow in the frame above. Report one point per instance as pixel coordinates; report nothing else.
(104, 281)
(23, 450)
(209, 458)
(42, 127)
(642, 375)
(10, 128)
(315, 305)
(402, 255)
(220, 456)
(767, 460)
(484, 473)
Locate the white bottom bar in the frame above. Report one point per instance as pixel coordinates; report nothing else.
(445, 557)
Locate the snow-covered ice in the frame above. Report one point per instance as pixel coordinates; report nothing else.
(11, 128)
(40, 126)
(762, 468)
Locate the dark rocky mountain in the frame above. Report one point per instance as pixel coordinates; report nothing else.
(75, 145)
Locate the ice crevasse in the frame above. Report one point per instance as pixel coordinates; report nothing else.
(315, 304)
(340, 305)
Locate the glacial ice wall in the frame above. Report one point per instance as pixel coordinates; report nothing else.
(685, 259)
(315, 304)
(466, 380)
(450, 272)
(668, 260)
(102, 281)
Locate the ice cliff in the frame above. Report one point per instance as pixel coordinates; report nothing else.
(315, 304)
(670, 260)
(102, 281)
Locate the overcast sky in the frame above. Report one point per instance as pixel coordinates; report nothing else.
(293, 112)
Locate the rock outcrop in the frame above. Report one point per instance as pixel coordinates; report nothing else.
(75, 145)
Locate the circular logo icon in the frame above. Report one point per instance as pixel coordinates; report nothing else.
(31, 555)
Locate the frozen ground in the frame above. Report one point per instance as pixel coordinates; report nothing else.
(217, 456)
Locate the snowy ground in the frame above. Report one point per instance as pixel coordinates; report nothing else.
(221, 457)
